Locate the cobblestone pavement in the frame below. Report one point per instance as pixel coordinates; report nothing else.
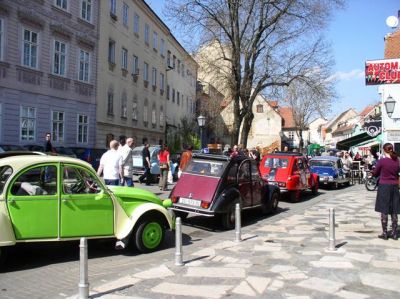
(287, 258)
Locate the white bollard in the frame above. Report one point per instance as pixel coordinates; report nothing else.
(238, 224)
(83, 270)
(178, 242)
(332, 241)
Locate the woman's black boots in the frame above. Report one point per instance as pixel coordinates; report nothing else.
(384, 222)
(394, 233)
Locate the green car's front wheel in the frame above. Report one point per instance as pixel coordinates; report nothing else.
(149, 235)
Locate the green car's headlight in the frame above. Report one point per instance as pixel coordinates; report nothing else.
(167, 203)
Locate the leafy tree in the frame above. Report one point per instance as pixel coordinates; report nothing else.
(263, 45)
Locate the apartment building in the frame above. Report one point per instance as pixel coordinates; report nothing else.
(146, 79)
(48, 54)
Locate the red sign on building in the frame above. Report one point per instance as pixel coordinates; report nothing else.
(385, 71)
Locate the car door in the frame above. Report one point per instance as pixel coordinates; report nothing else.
(244, 183)
(302, 173)
(256, 183)
(32, 202)
(86, 208)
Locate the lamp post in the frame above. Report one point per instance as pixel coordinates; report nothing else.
(201, 120)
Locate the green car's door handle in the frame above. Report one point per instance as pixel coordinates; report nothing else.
(12, 201)
(65, 198)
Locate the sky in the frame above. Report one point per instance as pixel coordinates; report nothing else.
(356, 34)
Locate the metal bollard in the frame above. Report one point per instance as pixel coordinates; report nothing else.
(332, 241)
(178, 242)
(83, 270)
(238, 224)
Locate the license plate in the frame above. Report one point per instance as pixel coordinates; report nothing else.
(190, 202)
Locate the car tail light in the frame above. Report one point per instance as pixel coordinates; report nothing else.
(289, 178)
(282, 184)
(175, 199)
(205, 204)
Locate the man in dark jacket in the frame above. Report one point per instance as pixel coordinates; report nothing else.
(146, 176)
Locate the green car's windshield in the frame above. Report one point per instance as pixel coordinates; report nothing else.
(322, 163)
(204, 167)
(5, 172)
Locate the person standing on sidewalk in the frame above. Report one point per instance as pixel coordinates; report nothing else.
(127, 163)
(163, 159)
(185, 159)
(146, 164)
(388, 198)
(111, 165)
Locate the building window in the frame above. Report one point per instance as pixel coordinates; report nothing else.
(291, 135)
(83, 127)
(113, 6)
(169, 59)
(111, 51)
(1, 39)
(125, 14)
(173, 61)
(135, 67)
(124, 105)
(146, 72)
(134, 109)
(153, 116)
(145, 112)
(60, 54)
(179, 66)
(57, 131)
(146, 34)
(30, 48)
(84, 65)
(63, 4)
(173, 95)
(162, 47)
(162, 81)
(178, 98)
(110, 102)
(260, 108)
(136, 23)
(124, 59)
(168, 92)
(161, 116)
(27, 123)
(155, 40)
(183, 70)
(86, 10)
(154, 77)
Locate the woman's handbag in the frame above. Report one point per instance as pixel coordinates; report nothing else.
(163, 165)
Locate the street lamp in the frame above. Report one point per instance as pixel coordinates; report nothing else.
(389, 105)
(201, 120)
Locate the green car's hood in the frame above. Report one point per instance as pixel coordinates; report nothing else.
(129, 198)
(129, 194)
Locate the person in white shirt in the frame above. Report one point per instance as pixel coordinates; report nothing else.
(127, 163)
(111, 165)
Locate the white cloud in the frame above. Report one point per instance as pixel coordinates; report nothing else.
(347, 76)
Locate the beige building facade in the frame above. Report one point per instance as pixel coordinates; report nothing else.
(146, 79)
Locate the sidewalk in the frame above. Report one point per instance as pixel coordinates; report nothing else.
(279, 259)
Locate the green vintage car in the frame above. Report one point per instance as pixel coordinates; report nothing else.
(52, 198)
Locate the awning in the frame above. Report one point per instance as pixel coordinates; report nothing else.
(349, 142)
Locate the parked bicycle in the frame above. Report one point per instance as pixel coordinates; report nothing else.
(371, 182)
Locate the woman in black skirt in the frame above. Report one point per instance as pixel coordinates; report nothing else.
(388, 198)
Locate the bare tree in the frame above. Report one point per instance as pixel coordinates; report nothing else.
(263, 44)
(309, 100)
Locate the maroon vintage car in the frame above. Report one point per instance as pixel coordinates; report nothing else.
(211, 186)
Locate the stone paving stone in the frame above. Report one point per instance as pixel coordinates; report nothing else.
(290, 296)
(206, 291)
(381, 281)
(386, 264)
(204, 252)
(216, 272)
(393, 252)
(332, 264)
(225, 244)
(117, 284)
(269, 247)
(244, 289)
(350, 295)
(244, 266)
(114, 296)
(288, 272)
(299, 232)
(291, 239)
(310, 253)
(272, 228)
(321, 285)
(194, 264)
(258, 283)
(276, 285)
(281, 255)
(365, 258)
(155, 273)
